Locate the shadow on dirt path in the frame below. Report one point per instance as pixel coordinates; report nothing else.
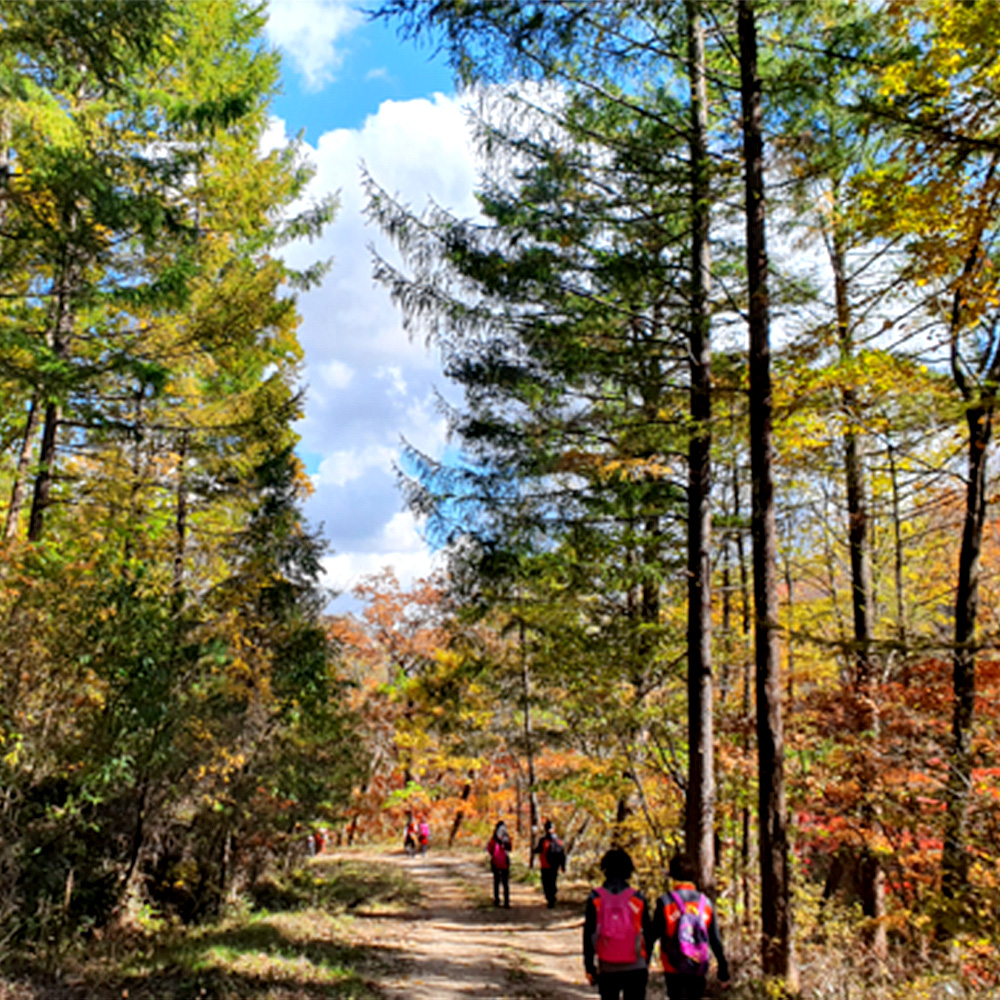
(457, 945)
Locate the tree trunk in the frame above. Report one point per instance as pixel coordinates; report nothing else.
(857, 525)
(776, 939)
(790, 671)
(897, 530)
(459, 814)
(700, 815)
(745, 632)
(181, 523)
(529, 749)
(61, 329)
(577, 837)
(21, 473)
(870, 874)
(955, 860)
(42, 496)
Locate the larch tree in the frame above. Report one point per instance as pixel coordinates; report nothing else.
(629, 59)
(777, 951)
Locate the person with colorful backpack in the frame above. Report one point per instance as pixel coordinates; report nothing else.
(686, 926)
(551, 859)
(617, 932)
(410, 836)
(498, 848)
(424, 835)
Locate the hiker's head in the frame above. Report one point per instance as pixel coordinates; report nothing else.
(682, 869)
(548, 826)
(616, 864)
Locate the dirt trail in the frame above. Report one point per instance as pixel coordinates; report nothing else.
(457, 945)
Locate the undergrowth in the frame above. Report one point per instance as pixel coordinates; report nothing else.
(286, 939)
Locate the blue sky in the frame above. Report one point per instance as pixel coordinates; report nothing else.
(360, 95)
(365, 65)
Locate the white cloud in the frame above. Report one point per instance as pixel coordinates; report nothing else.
(275, 136)
(307, 31)
(402, 534)
(336, 374)
(342, 467)
(368, 385)
(393, 374)
(400, 548)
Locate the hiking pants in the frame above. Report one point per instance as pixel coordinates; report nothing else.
(630, 985)
(501, 877)
(681, 987)
(549, 877)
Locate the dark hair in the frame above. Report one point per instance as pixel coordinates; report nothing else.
(682, 869)
(617, 864)
(548, 825)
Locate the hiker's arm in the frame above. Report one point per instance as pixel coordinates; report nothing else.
(715, 941)
(589, 930)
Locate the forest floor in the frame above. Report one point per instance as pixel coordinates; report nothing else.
(353, 925)
(370, 925)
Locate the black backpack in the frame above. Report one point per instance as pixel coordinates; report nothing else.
(555, 853)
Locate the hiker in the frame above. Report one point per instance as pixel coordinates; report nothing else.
(424, 835)
(410, 836)
(685, 924)
(551, 859)
(616, 932)
(498, 848)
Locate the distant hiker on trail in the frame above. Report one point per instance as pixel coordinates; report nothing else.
(551, 860)
(498, 848)
(424, 835)
(685, 925)
(410, 836)
(617, 932)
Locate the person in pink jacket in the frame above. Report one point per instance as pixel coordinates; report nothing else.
(498, 848)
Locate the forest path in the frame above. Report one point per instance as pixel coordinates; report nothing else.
(455, 945)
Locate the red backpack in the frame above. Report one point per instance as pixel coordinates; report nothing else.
(619, 927)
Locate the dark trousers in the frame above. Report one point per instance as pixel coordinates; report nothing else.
(501, 877)
(680, 987)
(629, 985)
(549, 878)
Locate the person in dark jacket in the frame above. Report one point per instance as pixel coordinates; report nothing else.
(498, 848)
(685, 984)
(548, 864)
(618, 975)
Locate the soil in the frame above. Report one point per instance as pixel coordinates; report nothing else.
(456, 944)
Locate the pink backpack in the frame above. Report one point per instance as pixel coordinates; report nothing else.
(619, 927)
(498, 853)
(687, 947)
